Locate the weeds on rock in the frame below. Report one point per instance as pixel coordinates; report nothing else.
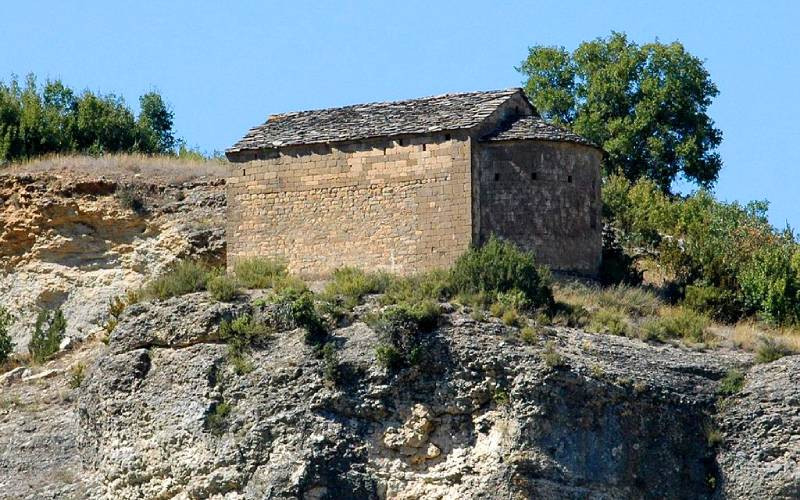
(731, 383)
(609, 321)
(330, 363)
(551, 356)
(76, 375)
(6, 344)
(240, 334)
(770, 350)
(131, 197)
(300, 310)
(223, 288)
(186, 276)
(529, 335)
(47, 335)
(259, 272)
(349, 285)
(401, 326)
(217, 418)
(678, 323)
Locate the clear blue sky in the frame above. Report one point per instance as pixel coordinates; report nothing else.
(225, 66)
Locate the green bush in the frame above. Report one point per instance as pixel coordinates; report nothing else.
(718, 303)
(217, 418)
(223, 288)
(258, 272)
(498, 267)
(770, 350)
(76, 375)
(636, 301)
(6, 344)
(47, 335)
(609, 321)
(731, 383)
(186, 276)
(529, 335)
(301, 311)
(401, 326)
(330, 362)
(431, 286)
(680, 323)
(349, 285)
(551, 356)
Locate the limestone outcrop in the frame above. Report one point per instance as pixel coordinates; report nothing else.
(70, 241)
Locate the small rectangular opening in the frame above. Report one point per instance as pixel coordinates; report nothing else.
(424, 147)
(244, 172)
(534, 176)
(497, 177)
(400, 142)
(446, 137)
(569, 178)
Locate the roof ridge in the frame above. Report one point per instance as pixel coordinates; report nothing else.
(509, 91)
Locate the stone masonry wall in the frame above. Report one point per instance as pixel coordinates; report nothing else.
(400, 204)
(544, 196)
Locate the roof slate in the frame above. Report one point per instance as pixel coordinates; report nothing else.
(532, 127)
(380, 119)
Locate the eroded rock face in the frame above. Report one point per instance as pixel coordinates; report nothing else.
(485, 416)
(69, 242)
(761, 427)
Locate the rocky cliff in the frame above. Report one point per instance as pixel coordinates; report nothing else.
(163, 411)
(75, 240)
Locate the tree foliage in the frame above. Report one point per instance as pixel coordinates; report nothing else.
(52, 118)
(725, 257)
(645, 105)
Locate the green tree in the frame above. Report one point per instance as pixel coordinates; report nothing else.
(645, 105)
(155, 125)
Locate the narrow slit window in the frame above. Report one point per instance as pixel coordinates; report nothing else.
(534, 176)
(400, 142)
(244, 172)
(446, 137)
(424, 147)
(569, 178)
(496, 177)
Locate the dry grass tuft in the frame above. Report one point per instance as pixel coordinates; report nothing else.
(166, 169)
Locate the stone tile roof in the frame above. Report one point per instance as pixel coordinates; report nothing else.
(533, 127)
(380, 119)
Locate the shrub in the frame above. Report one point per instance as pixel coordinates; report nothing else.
(47, 335)
(551, 356)
(718, 303)
(731, 383)
(6, 344)
(497, 267)
(678, 323)
(240, 333)
(330, 363)
(76, 375)
(131, 198)
(572, 316)
(259, 272)
(636, 301)
(770, 350)
(217, 417)
(349, 285)
(223, 288)
(529, 335)
(389, 357)
(510, 317)
(609, 321)
(431, 286)
(299, 309)
(401, 326)
(186, 276)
